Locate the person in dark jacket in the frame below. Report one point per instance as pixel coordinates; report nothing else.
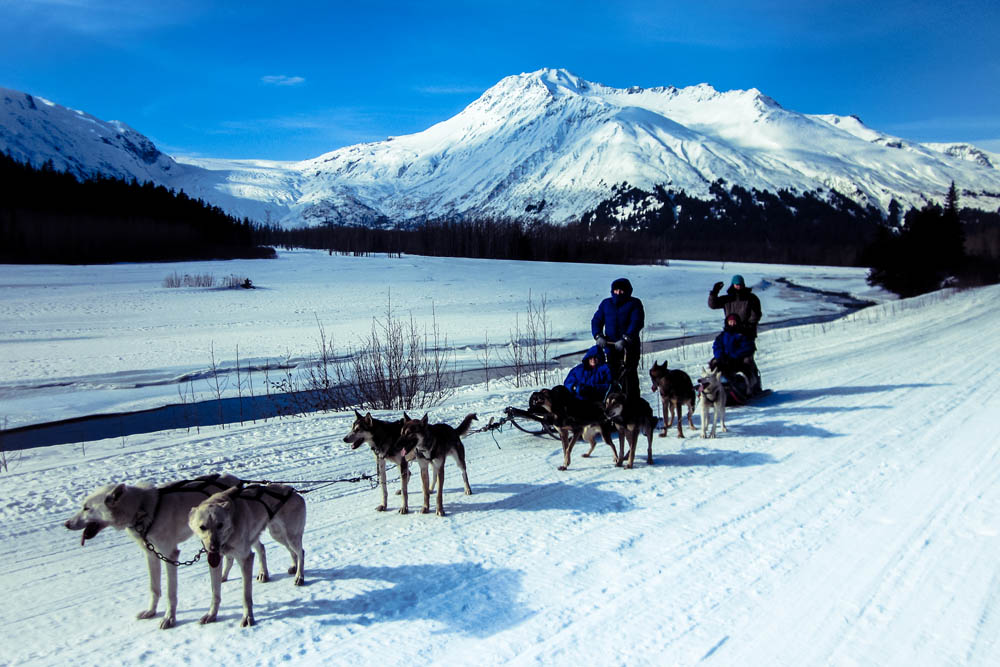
(738, 299)
(591, 378)
(615, 327)
(733, 352)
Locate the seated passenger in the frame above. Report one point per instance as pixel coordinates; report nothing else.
(590, 379)
(733, 351)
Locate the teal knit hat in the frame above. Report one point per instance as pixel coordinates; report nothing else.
(738, 280)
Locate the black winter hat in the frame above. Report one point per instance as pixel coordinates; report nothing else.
(622, 284)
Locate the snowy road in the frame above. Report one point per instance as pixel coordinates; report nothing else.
(850, 518)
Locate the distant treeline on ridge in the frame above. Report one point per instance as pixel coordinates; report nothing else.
(48, 216)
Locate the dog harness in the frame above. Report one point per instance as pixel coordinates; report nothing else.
(258, 491)
(206, 484)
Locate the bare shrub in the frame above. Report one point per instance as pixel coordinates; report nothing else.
(187, 280)
(395, 367)
(173, 280)
(527, 350)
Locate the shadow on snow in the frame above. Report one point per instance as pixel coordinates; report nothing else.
(465, 598)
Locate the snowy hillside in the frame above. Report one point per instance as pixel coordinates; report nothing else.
(850, 518)
(544, 145)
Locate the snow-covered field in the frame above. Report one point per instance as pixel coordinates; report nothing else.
(81, 340)
(849, 518)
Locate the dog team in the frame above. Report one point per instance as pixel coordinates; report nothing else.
(228, 516)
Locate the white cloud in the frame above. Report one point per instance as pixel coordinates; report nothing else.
(282, 80)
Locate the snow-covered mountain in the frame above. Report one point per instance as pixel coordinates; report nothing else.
(544, 145)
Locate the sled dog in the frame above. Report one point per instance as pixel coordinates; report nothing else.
(157, 515)
(632, 417)
(575, 419)
(713, 400)
(383, 438)
(433, 443)
(676, 391)
(230, 522)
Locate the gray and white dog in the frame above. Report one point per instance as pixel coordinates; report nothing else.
(154, 514)
(712, 396)
(229, 523)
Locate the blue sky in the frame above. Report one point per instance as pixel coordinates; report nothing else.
(294, 79)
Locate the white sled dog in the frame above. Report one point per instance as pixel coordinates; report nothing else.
(712, 396)
(230, 522)
(154, 514)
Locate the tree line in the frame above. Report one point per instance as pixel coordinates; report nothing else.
(935, 246)
(49, 216)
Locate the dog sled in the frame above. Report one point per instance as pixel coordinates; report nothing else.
(741, 388)
(531, 423)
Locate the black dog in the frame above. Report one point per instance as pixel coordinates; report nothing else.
(574, 418)
(383, 438)
(632, 417)
(433, 443)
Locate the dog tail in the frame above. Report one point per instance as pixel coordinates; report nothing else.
(463, 428)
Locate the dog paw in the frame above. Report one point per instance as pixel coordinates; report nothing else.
(167, 623)
(263, 577)
(247, 621)
(440, 513)
(586, 456)
(649, 461)
(146, 613)
(468, 492)
(403, 510)
(425, 510)
(380, 508)
(207, 618)
(300, 581)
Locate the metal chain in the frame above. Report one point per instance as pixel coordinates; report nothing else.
(166, 559)
(143, 530)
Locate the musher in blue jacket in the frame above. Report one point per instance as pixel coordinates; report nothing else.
(590, 379)
(616, 326)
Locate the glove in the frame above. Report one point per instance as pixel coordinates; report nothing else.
(713, 364)
(627, 339)
(746, 361)
(602, 342)
(716, 287)
(619, 345)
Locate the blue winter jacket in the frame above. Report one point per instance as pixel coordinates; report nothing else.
(618, 316)
(731, 346)
(590, 384)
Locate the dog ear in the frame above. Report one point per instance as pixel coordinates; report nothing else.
(406, 417)
(424, 420)
(357, 415)
(115, 495)
(367, 419)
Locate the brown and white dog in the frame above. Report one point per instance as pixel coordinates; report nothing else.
(676, 390)
(433, 443)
